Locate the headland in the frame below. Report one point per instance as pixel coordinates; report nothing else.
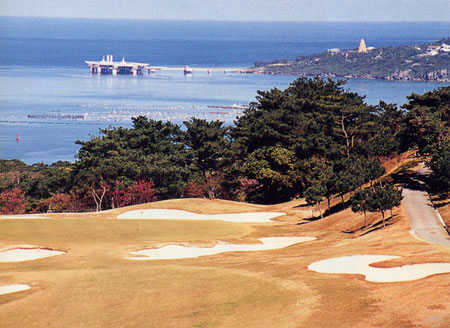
(424, 62)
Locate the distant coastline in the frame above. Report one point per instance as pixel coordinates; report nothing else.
(424, 62)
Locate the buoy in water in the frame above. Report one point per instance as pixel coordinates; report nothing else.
(17, 137)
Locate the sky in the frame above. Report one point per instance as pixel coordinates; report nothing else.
(235, 10)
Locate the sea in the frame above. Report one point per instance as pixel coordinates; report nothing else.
(49, 99)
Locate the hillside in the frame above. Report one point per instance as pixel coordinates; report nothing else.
(424, 62)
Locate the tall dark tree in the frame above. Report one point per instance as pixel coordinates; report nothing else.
(207, 143)
(312, 118)
(439, 163)
(386, 136)
(428, 118)
(277, 170)
(428, 124)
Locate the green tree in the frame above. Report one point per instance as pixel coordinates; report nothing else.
(383, 198)
(387, 134)
(428, 118)
(314, 195)
(373, 170)
(209, 148)
(349, 173)
(276, 169)
(440, 165)
(150, 150)
(312, 118)
(359, 201)
(428, 126)
(207, 143)
(319, 171)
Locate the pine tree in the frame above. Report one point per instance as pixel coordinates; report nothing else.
(359, 201)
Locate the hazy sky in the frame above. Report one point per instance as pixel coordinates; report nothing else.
(244, 10)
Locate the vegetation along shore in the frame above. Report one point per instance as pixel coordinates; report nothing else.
(423, 62)
(314, 140)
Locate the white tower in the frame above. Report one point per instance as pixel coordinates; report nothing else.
(362, 46)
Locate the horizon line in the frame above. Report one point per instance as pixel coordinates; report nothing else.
(225, 20)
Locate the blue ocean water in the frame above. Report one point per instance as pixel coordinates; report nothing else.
(43, 75)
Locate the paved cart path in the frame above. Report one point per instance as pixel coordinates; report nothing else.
(424, 220)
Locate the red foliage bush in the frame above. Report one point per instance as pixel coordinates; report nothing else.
(247, 186)
(195, 189)
(141, 191)
(62, 203)
(210, 188)
(12, 202)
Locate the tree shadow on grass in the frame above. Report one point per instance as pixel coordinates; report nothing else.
(334, 209)
(442, 204)
(378, 226)
(302, 223)
(308, 220)
(372, 227)
(301, 205)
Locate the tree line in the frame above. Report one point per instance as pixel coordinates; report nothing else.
(314, 139)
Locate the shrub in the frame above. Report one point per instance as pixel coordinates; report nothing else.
(12, 202)
(61, 202)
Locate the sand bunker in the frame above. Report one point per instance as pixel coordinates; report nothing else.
(360, 264)
(24, 217)
(165, 214)
(7, 289)
(27, 254)
(170, 252)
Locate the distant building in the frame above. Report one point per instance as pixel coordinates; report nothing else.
(362, 46)
(433, 48)
(445, 48)
(334, 50)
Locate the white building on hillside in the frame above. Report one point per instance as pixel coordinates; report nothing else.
(445, 47)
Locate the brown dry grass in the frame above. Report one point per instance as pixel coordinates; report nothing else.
(392, 163)
(443, 206)
(94, 285)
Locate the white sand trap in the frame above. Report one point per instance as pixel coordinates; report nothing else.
(23, 217)
(27, 254)
(360, 264)
(166, 214)
(170, 252)
(7, 289)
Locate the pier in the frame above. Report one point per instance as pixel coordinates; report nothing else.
(109, 66)
(190, 70)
